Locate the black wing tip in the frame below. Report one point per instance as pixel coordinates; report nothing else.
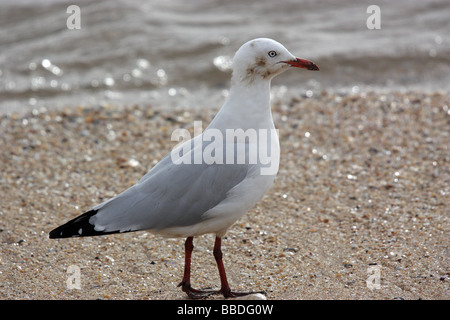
(77, 227)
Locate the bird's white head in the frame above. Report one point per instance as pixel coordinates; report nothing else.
(263, 59)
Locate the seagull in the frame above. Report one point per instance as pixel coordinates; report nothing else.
(208, 182)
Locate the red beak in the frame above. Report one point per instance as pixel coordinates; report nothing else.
(302, 63)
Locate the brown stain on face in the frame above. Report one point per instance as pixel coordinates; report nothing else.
(258, 68)
(260, 62)
(268, 74)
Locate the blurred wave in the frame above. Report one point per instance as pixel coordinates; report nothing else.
(135, 52)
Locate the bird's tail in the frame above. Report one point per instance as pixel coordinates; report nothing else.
(78, 227)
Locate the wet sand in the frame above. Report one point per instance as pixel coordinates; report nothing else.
(363, 186)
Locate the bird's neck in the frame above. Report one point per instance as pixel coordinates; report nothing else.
(247, 106)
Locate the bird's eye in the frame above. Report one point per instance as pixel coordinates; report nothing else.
(272, 54)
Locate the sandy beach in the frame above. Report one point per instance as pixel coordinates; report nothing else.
(363, 187)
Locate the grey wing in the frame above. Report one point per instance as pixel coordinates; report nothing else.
(169, 195)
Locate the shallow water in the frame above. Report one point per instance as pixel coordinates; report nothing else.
(172, 54)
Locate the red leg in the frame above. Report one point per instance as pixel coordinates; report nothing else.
(188, 247)
(224, 287)
(186, 282)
